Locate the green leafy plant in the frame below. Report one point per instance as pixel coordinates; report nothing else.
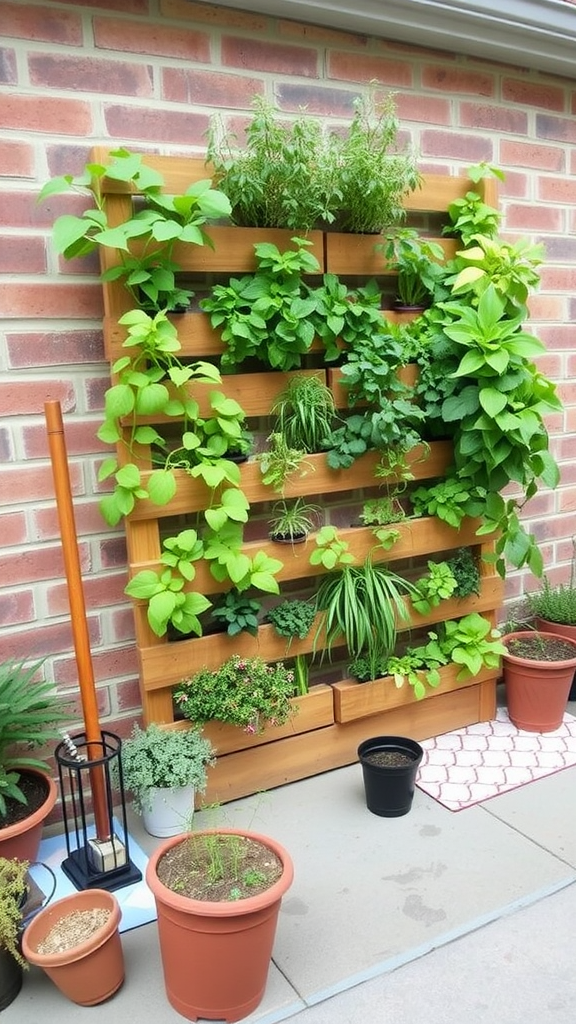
(437, 585)
(238, 612)
(266, 315)
(168, 602)
(145, 241)
(13, 889)
(349, 441)
(362, 604)
(374, 173)
(304, 413)
(293, 521)
(164, 758)
(416, 261)
(470, 215)
(294, 619)
(31, 713)
(472, 643)
(330, 551)
(464, 568)
(284, 177)
(246, 692)
(449, 500)
(280, 462)
(557, 603)
(382, 510)
(223, 549)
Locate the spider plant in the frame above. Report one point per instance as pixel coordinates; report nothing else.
(304, 413)
(363, 604)
(292, 521)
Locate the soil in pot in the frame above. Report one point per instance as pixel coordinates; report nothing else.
(389, 758)
(72, 929)
(538, 648)
(219, 867)
(389, 768)
(288, 538)
(35, 789)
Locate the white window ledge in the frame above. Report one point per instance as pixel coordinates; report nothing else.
(535, 34)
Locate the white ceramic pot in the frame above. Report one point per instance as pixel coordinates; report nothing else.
(169, 811)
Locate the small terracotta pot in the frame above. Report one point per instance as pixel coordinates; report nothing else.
(216, 955)
(537, 691)
(22, 840)
(91, 971)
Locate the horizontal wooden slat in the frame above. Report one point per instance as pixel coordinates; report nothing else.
(313, 477)
(356, 255)
(165, 664)
(353, 700)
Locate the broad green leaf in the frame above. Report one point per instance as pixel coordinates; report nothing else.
(161, 486)
(492, 401)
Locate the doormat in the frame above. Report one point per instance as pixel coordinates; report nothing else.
(136, 901)
(468, 766)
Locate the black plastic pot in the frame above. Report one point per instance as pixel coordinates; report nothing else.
(389, 767)
(10, 978)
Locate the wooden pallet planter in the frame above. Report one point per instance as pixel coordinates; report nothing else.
(312, 741)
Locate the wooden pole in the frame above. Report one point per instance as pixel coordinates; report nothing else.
(59, 459)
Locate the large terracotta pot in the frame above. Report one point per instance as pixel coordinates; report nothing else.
(216, 955)
(93, 969)
(561, 630)
(537, 691)
(22, 840)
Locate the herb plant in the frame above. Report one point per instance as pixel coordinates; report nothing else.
(13, 888)
(238, 612)
(304, 413)
(280, 462)
(246, 692)
(293, 521)
(164, 758)
(437, 585)
(168, 603)
(292, 618)
(557, 603)
(330, 551)
(416, 261)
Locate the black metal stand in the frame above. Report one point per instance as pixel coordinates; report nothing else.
(93, 863)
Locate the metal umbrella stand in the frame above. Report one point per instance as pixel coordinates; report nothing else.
(89, 764)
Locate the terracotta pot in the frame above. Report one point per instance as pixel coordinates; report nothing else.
(216, 955)
(22, 840)
(560, 630)
(537, 691)
(91, 971)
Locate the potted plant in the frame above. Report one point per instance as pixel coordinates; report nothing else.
(30, 713)
(13, 891)
(243, 691)
(555, 608)
(218, 894)
(417, 262)
(76, 941)
(292, 522)
(164, 768)
(304, 413)
(389, 768)
(538, 672)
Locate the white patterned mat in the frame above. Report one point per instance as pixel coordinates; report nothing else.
(470, 765)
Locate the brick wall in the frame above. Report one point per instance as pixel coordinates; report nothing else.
(73, 75)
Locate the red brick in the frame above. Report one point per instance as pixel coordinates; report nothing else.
(561, 129)
(457, 80)
(16, 607)
(533, 94)
(12, 528)
(42, 563)
(99, 592)
(90, 74)
(43, 114)
(8, 69)
(317, 99)
(122, 624)
(19, 208)
(423, 109)
(460, 146)
(79, 301)
(209, 88)
(34, 483)
(213, 15)
(113, 553)
(80, 439)
(95, 389)
(87, 518)
(363, 67)
(496, 119)
(550, 364)
(517, 185)
(66, 157)
(567, 499)
(42, 641)
(320, 35)
(558, 336)
(557, 190)
(108, 664)
(6, 448)
(35, 22)
(151, 38)
(262, 55)
(128, 6)
(558, 278)
(533, 155)
(16, 159)
(547, 307)
(128, 696)
(54, 348)
(153, 125)
(22, 254)
(25, 397)
(533, 217)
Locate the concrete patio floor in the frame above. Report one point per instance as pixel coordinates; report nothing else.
(441, 916)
